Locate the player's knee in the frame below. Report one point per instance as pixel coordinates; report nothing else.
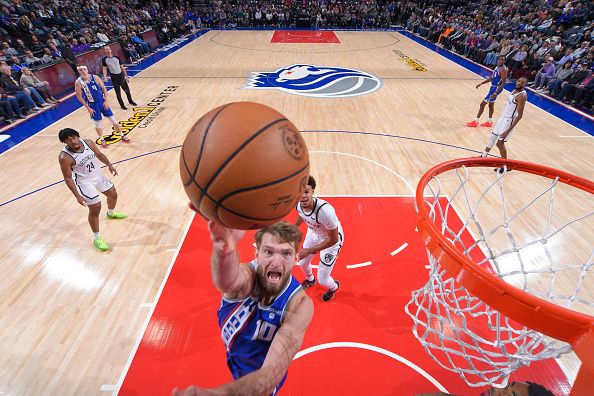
(97, 124)
(112, 193)
(113, 120)
(500, 143)
(95, 209)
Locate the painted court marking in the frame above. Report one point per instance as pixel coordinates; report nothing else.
(152, 309)
(372, 348)
(365, 264)
(401, 248)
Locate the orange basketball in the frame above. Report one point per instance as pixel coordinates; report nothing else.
(244, 165)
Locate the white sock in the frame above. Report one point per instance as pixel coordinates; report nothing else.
(484, 154)
(95, 235)
(476, 120)
(490, 120)
(109, 211)
(305, 265)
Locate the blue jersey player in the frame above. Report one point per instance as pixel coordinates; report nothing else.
(497, 79)
(264, 311)
(91, 92)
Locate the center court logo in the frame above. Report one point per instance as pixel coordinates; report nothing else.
(316, 81)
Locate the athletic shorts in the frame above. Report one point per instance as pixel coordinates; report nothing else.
(501, 126)
(90, 187)
(99, 109)
(329, 255)
(492, 91)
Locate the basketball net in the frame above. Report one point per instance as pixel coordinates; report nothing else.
(528, 254)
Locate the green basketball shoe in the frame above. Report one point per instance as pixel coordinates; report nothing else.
(116, 215)
(100, 244)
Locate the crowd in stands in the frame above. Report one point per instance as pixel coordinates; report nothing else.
(38, 33)
(550, 42)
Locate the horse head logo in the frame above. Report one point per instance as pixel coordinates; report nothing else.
(316, 81)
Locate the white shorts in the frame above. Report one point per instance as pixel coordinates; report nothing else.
(329, 255)
(501, 126)
(90, 187)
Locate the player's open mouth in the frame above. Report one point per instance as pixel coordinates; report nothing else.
(273, 276)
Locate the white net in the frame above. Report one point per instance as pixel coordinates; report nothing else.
(534, 233)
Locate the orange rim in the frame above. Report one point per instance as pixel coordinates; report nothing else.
(545, 317)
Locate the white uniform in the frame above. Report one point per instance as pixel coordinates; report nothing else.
(87, 175)
(510, 111)
(320, 220)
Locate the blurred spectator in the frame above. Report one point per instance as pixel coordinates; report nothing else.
(568, 87)
(15, 110)
(7, 50)
(35, 45)
(29, 80)
(14, 90)
(561, 75)
(102, 37)
(20, 47)
(142, 46)
(16, 66)
(31, 59)
(546, 72)
(48, 57)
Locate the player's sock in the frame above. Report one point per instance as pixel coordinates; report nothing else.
(490, 119)
(484, 154)
(109, 212)
(95, 235)
(310, 277)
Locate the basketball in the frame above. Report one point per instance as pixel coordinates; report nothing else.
(244, 165)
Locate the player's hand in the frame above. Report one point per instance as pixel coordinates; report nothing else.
(104, 79)
(106, 105)
(112, 170)
(127, 78)
(81, 200)
(191, 391)
(304, 253)
(224, 240)
(478, 85)
(492, 97)
(91, 111)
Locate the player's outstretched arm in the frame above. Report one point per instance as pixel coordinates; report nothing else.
(228, 275)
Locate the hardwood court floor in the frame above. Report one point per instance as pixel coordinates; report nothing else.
(71, 315)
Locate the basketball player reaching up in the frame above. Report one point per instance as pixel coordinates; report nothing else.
(324, 235)
(511, 115)
(79, 162)
(497, 79)
(91, 92)
(264, 312)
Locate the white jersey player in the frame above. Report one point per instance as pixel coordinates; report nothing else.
(324, 235)
(79, 162)
(511, 115)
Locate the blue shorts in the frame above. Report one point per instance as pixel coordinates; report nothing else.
(99, 109)
(492, 91)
